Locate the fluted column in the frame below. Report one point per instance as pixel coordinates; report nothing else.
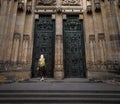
(104, 10)
(9, 30)
(3, 17)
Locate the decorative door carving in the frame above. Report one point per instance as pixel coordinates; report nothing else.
(44, 44)
(74, 54)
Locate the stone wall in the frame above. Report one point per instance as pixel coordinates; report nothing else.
(16, 37)
(101, 27)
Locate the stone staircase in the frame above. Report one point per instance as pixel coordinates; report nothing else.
(59, 97)
(59, 93)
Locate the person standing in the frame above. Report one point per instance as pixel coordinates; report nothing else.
(42, 67)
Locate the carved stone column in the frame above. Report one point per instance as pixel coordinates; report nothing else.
(20, 24)
(92, 43)
(25, 48)
(59, 71)
(16, 42)
(3, 18)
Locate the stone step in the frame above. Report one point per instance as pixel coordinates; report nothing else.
(62, 100)
(58, 94)
(62, 97)
(60, 91)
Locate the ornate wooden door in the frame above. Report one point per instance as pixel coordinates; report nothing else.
(44, 34)
(74, 54)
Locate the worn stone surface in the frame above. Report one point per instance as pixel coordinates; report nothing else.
(102, 51)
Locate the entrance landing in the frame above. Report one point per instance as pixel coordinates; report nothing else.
(66, 84)
(66, 80)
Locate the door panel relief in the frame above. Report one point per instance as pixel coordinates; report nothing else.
(74, 55)
(44, 44)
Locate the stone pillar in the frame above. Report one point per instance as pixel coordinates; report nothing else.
(98, 28)
(117, 11)
(111, 31)
(6, 32)
(16, 42)
(90, 42)
(116, 22)
(3, 16)
(58, 71)
(25, 48)
(19, 27)
(11, 29)
(104, 10)
(28, 31)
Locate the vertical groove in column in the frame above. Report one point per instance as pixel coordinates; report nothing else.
(92, 52)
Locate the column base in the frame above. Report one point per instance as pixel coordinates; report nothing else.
(58, 74)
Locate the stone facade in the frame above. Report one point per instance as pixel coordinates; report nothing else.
(101, 20)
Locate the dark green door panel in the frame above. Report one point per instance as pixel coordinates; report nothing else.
(44, 34)
(74, 54)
